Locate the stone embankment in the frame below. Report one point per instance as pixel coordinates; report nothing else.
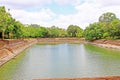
(11, 48)
(98, 78)
(113, 44)
(60, 40)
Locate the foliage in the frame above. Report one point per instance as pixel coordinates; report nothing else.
(56, 32)
(108, 27)
(17, 30)
(115, 29)
(93, 32)
(107, 17)
(5, 20)
(9, 29)
(53, 32)
(74, 31)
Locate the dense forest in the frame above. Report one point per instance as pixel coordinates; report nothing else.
(107, 27)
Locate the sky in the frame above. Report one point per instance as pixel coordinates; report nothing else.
(60, 13)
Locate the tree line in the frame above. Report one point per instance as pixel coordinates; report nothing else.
(108, 27)
(10, 28)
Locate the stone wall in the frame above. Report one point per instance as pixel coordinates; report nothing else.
(60, 40)
(10, 49)
(113, 44)
(97, 78)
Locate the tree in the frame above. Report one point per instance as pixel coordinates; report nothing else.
(53, 32)
(35, 31)
(111, 30)
(17, 31)
(43, 32)
(108, 27)
(115, 29)
(107, 17)
(62, 33)
(93, 31)
(4, 20)
(26, 32)
(74, 31)
(10, 28)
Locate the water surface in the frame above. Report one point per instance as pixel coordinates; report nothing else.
(62, 60)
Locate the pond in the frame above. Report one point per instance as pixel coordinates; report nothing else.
(62, 61)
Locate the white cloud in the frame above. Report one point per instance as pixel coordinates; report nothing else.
(23, 4)
(33, 17)
(73, 2)
(108, 2)
(62, 1)
(87, 12)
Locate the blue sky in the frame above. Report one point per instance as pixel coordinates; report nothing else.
(61, 13)
(61, 9)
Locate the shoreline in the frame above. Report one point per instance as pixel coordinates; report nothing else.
(60, 40)
(11, 48)
(111, 44)
(95, 78)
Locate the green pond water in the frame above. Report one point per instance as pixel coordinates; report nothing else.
(62, 61)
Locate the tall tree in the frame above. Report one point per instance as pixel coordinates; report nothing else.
(74, 31)
(4, 20)
(9, 29)
(107, 17)
(17, 30)
(93, 31)
(115, 29)
(53, 31)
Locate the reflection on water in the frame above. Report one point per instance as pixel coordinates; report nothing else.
(62, 60)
